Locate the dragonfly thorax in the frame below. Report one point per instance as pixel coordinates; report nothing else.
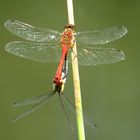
(68, 38)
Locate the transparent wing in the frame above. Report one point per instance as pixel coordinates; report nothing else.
(35, 107)
(66, 113)
(73, 109)
(32, 33)
(102, 36)
(32, 100)
(96, 56)
(35, 51)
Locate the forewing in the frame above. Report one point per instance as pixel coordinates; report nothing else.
(35, 107)
(96, 56)
(35, 51)
(32, 100)
(102, 36)
(32, 33)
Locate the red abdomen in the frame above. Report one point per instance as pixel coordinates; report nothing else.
(57, 79)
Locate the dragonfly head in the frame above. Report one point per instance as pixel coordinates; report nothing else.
(58, 88)
(70, 26)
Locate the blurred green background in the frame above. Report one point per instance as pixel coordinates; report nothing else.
(110, 93)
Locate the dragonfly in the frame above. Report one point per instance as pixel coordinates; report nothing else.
(45, 48)
(38, 101)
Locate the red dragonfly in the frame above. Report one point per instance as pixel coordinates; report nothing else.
(46, 44)
(46, 49)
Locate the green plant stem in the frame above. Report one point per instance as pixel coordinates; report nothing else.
(76, 79)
